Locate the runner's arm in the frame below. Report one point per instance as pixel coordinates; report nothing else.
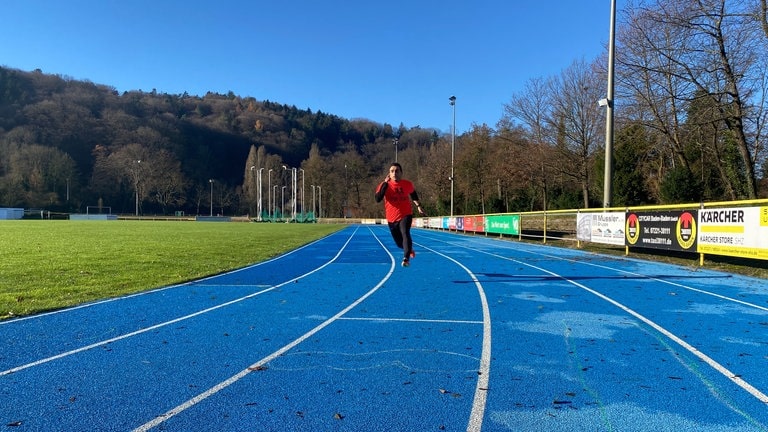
(415, 199)
(381, 190)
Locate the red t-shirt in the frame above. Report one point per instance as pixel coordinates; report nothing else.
(397, 199)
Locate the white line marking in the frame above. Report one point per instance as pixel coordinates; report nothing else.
(152, 291)
(412, 320)
(679, 285)
(166, 323)
(481, 388)
(693, 350)
(256, 366)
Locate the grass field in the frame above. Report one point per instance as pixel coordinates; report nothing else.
(47, 265)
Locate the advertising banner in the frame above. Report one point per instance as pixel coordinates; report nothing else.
(603, 227)
(669, 230)
(474, 223)
(444, 223)
(738, 232)
(503, 224)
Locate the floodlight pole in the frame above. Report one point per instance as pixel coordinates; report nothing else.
(303, 203)
(294, 185)
(274, 202)
(345, 205)
(608, 174)
(136, 176)
(260, 193)
(211, 182)
(395, 142)
(452, 100)
(314, 212)
(269, 194)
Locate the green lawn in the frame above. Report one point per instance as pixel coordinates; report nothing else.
(47, 265)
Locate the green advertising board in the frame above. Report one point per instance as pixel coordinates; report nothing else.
(503, 224)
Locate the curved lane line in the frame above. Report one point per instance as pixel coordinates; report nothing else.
(618, 270)
(256, 366)
(693, 350)
(152, 291)
(481, 388)
(173, 321)
(679, 285)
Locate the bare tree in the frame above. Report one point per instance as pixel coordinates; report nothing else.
(475, 163)
(531, 108)
(166, 182)
(678, 50)
(576, 121)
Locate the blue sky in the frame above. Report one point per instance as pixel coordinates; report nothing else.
(394, 61)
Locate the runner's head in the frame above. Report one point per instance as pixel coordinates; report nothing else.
(395, 171)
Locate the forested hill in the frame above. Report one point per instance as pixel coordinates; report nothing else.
(57, 133)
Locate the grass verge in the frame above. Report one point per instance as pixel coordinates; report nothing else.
(48, 265)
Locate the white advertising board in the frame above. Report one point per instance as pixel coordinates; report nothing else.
(601, 227)
(739, 232)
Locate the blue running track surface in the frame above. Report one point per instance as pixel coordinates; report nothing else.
(478, 334)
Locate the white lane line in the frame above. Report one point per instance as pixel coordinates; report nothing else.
(693, 350)
(258, 365)
(411, 320)
(481, 388)
(667, 282)
(618, 270)
(156, 290)
(167, 323)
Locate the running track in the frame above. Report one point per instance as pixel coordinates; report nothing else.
(478, 334)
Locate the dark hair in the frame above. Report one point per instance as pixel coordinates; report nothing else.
(395, 164)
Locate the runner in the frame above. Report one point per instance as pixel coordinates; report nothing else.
(398, 193)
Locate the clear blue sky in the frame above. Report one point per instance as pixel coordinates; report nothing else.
(393, 61)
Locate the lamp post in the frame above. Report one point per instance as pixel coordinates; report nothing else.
(395, 142)
(293, 192)
(269, 193)
(608, 167)
(294, 185)
(274, 202)
(253, 167)
(346, 191)
(313, 202)
(320, 201)
(282, 205)
(136, 184)
(282, 202)
(260, 193)
(211, 182)
(303, 203)
(452, 100)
